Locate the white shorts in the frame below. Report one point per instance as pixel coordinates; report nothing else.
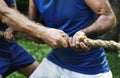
(47, 69)
(0, 76)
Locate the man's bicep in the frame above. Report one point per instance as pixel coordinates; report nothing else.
(99, 6)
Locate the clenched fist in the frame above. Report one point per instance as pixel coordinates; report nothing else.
(76, 42)
(55, 38)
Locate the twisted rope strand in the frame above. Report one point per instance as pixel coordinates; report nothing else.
(89, 42)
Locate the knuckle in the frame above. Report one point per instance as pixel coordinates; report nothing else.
(72, 45)
(55, 44)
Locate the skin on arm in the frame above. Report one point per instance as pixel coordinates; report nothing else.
(19, 22)
(105, 22)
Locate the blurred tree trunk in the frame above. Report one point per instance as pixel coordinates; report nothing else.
(115, 32)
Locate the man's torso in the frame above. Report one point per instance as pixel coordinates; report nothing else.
(71, 16)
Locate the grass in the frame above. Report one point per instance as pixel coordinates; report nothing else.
(40, 51)
(114, 62)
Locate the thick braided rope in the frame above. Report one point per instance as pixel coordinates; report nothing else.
(89, 42)
(102, 43)
(18, 35)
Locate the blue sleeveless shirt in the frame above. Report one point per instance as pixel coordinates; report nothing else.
(72, 16)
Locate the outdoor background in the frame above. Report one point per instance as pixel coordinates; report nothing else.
(40, 51)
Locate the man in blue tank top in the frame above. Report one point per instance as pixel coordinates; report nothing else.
(79, 19)
(12, 56)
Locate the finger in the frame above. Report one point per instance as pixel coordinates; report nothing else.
(66, 37)
(63, 43)
(55, 45)
(80, 40)
(6, 35)
(76, 39)
(9, 37)
(72, 44)
(51, 44)
(84, 47)
(77, 46)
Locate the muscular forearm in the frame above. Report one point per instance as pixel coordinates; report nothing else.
(19, 22)
(101, 25)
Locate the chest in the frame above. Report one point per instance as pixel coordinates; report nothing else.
(61, 8)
